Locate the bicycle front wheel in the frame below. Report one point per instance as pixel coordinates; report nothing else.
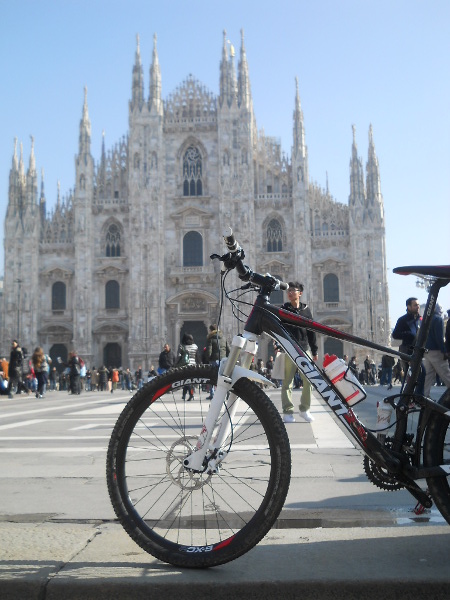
(197, 519)
(436, 451)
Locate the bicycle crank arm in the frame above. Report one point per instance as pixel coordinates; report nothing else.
(417, 492)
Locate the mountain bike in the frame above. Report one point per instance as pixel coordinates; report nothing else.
(198, 484)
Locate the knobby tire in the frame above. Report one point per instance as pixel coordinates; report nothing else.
(196, 520)
(436, 451)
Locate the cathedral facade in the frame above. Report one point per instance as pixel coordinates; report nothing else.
(122, 264)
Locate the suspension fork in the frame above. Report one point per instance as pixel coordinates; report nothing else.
(222, 396)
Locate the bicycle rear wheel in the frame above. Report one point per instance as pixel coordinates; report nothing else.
(187, 519)
(436, 451)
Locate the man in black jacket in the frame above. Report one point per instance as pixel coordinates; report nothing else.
(306, 339)
(406, 330)
(15, 369)
(166, 359)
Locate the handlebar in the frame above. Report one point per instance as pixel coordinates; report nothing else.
(233, 260)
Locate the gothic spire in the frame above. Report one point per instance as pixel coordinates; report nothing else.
(42, 197)
(154, 100)
(137, 91)
(14, 177)
(299, 130)
(372, 173)
(357, 193)
(31, 176)
(224, 71)
(232, 94)
(84, 147)
(21, 167)
(228, 84)
(244, 93)
(42, 201)
(32, 165)
(15, 164)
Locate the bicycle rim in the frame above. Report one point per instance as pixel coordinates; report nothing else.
(197, 520)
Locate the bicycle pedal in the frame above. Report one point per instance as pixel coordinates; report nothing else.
(419, 509)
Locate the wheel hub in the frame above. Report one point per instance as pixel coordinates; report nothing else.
(184, 478)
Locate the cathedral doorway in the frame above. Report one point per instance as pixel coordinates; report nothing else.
(112, 355)
(198, 331)
(58, 351)
(332, 346)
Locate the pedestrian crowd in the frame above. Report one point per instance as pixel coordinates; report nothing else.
(36, 374)
(22, 374)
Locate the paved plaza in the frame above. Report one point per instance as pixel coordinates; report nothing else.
(337, 532)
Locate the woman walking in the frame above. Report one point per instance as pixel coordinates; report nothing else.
(41, 368)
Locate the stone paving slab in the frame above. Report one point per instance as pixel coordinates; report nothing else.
(50, 561)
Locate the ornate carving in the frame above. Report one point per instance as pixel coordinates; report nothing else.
(193, 305)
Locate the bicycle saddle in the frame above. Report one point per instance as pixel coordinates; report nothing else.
(441, 272)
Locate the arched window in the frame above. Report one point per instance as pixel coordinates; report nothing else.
(330, 288)
(274, 236)
(59, 296)
(112, 294)
(192, 172)
(113, 241)
(192, 249)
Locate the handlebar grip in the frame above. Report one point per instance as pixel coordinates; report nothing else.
(230, 241)
(283, 285)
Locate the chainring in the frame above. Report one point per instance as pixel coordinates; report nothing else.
(380, 477)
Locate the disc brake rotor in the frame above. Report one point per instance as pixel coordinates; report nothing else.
(177, 472)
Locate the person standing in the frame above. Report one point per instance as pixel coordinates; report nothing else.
(406, 330)
(407, 327)
(103, 378)
(353, 366)
(40, 366)
(15, 369)
(436, 359)
(94, 379)
(166, 359)
(306, 339)
(53, 379)
(269, 368)
(387, 364)
(367, 370)
(192, 349)
(114, 380)
(75, 372)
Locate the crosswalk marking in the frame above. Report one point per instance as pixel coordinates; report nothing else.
(21, 424)
(325, 431)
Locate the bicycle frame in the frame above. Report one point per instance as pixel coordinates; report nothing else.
(270, 319)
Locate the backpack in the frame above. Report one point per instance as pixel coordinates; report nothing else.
(183, 356)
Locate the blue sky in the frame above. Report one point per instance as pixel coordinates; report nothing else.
(361, 62)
